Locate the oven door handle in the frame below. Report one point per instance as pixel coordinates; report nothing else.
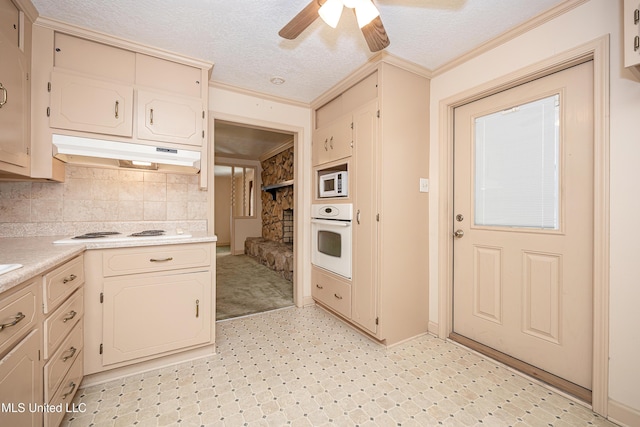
(335, 223)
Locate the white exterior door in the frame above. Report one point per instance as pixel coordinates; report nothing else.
(523, 226)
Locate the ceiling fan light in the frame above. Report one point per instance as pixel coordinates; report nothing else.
(330, 12)
(366, 12)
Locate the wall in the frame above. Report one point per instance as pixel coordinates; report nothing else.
(247, 108)
(96, 199)
(222, 217)
(587, 22)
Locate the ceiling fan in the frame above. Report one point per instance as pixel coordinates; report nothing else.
(330, 10)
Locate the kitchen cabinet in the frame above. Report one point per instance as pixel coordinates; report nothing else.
(63, 309)
(15, 51)
(389, 285)
(143, 303)
(20, 345)
(170, 118)
(631, 24)
(91, 105)
(332, 142)
(93, 85)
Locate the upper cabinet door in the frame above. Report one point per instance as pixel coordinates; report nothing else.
(168, 76)
(14, 105)
(85, 104)
(169, 118)
(332, 142)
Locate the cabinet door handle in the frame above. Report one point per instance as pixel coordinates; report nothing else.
(4, 95)
(197, 308)
(636, 16)
(16, 319)
(636, 43)
(161, 260)
(151, 116)
(337, 296)
(117, 108)
(358, 216)
(325, 145)
(73, 388)
(331, 143)
(319, 287)
(72, 350)
(70, 315)
(69, 279)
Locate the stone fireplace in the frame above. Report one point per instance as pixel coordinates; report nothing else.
(275, 248)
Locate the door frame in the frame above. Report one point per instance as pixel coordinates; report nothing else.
(301, 237)
(598, 52)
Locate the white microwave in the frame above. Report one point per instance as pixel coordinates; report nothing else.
(333, 184)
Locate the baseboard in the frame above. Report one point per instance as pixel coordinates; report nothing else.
(433, 328)
(149, 365)
(307, 302)
(622, 414)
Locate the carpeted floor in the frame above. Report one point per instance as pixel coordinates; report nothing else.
(244, 286)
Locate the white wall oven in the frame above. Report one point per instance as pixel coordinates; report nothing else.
(331, 237)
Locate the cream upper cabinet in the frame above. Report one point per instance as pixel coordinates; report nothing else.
(631, 24)
(333, 141)
(90, 105)
(14, 90)
(108, 90)
(169, 118)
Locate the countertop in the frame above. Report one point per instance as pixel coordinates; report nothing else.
(39, 254)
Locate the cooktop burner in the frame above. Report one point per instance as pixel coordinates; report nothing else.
(148, 233)
(96, 235)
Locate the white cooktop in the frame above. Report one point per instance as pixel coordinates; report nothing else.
(115, 238)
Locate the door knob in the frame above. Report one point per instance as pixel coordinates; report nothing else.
(458, 234)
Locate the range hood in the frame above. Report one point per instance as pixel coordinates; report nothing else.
(89, 151)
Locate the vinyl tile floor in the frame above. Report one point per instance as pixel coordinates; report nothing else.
(303, 367)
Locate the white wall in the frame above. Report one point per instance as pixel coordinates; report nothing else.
(254, 110)
(587, 22)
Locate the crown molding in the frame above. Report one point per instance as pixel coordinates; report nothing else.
(511, 34)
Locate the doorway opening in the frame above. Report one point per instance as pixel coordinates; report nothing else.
(253, 181)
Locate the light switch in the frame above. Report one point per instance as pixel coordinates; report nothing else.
(424, 185)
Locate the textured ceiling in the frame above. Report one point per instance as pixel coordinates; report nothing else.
(241, 36)
(232, 140)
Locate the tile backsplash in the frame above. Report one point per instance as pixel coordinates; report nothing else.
(95, 199)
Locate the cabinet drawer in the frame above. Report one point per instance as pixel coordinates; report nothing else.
(157, 258)
(61, 282)
(58, 325)
(65, 393)
(332, 292)
(61, 361)
(18, 314)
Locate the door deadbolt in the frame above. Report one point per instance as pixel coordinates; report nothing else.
(459, 217)
(458, 234)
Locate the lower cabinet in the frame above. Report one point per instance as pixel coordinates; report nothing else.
(331, 291)
(143, 303)
(144, 316)
(21, 384)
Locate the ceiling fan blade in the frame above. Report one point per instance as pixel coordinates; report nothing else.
(375, 35)
(301, 21)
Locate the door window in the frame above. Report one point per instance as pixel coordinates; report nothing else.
(516, 166)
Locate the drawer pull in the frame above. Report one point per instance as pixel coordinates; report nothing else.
(161, 260)
(72, 350)
(73, 388)
(197, 308)
(16, 319)
(319, 287)
(70, 315)
(69, 279)
(337, 296)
